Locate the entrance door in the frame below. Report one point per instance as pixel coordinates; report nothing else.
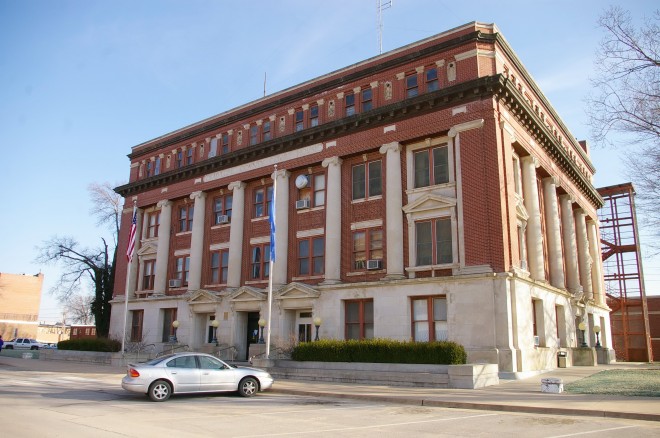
(304, 326)
(252, 331)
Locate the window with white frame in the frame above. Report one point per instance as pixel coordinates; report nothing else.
(429, 319)
(367, 180)
(433, 240)
(431, 166)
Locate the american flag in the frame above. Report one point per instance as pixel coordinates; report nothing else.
(131, 236)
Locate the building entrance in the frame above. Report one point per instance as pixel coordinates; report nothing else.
(252, 331)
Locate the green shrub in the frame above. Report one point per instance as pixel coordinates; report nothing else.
(90, 344)
(381, 351)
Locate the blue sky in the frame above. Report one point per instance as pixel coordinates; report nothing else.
(81, 82)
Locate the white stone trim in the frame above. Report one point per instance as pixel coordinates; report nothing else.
(459, 110)
(219, 246)
(182, 252)
(366, 224)
(390, 128)
(259, 240)
(310, 233)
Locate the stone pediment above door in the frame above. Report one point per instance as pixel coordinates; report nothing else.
(297, 296)
(203, 301)
(429, 202)
(247, 293)
(148, 249)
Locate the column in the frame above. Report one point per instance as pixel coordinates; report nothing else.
(133, 266)
(333, 221)
(531, 201)
(596, 260)
(584, 259)
(570, 244)
(553, 232)
(197, 241)
(282, 226)
(163, 250)
(236, 234)
(393, 210)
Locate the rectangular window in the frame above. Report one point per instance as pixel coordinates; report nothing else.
(350, 104)
(153, 220)
(149, 167)
(367, 96)
(186, 218)
(219, 266)
(182, 269)
(300, 120)
(311, 262)
(432, 80)
(254, 134)
(314, 191)
(225, 143)
(367, 180)
(189, 156)
(359, 319)
(431, 166)
(434, 242)
(260, 262)
(314, 115)
(169, 316)
(367, 245)
(179, 158)
(213, 150)
(157, 166)
(266, 130)
(429, 319)
(411, 85)
(149, 275)
(136, 325)
(262, 199)
(222, 207)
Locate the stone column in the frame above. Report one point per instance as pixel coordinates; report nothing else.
(236, 234)
(584, 259)
(596, 259)
(553, 231)
(570, 244)
(163, 250)
(197, 241)
(393, 210)
(281, 226)
(333, 221)
(534, 234)
(134, 265)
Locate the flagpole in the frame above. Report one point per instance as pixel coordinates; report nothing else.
(272, 261)
(129, 253)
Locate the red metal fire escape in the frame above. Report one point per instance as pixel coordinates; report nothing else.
(624, 278)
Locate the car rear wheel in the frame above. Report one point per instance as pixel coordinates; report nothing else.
(248, 387)
(160, 391)
(34, 348)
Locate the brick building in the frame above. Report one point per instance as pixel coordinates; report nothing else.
(20, 297)
(428, 193)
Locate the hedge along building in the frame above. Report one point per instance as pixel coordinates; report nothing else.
(427, 193)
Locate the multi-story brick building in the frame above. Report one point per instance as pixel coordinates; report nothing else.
(428, 193)
(20, 297)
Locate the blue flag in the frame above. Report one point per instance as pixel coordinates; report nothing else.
(271, 219)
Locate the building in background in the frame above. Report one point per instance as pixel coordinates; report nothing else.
(53, 333)
(428, 193)
(20, 297)
(83, 331)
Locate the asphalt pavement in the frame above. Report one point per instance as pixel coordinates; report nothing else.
(510, 395)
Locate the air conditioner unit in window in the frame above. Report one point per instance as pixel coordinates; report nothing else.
(537, 341)
(223, 219)
(175, 283)
(302, 203)
(374, 264)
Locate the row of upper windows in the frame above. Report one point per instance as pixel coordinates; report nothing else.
(430, 166)
(359, 100)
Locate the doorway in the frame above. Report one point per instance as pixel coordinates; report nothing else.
(252, 331)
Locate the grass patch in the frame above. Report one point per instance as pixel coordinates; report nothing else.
(641, 383)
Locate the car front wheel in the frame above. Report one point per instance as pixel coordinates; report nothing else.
(34, 348)
(160, 391)
(248, 387)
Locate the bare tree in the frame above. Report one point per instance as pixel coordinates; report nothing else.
(627, 101)
(94, 266)
(79, 309)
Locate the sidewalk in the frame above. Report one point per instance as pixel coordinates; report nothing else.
(510, 395)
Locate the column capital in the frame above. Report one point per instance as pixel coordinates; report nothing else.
(164, 203)
(237, 185)
(284, 174)
(580, 211)
(335, 161)
(532, 159)
(395, 146)
(465, 126)
(567, 196)
(551, 180)
(198, 194)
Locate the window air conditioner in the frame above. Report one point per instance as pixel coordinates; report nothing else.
(175, 283)
(302, 203)
(537, 342)
(223, 219)
(374, 264)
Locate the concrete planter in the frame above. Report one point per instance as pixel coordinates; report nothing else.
(414, 375)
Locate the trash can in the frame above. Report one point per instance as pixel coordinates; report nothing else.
(561, 359)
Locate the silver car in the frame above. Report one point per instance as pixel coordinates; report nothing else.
(185, 373)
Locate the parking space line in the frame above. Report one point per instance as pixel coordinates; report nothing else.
(592, 431)
(376, 426)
